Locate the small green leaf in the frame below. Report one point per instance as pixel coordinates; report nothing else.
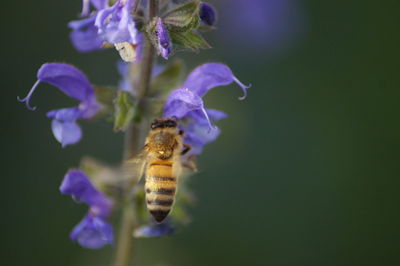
(151, 31)
(105, 95)
(183, 18)
(190, 39)
(124, 111)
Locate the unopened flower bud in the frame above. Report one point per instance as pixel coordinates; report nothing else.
(208, 14)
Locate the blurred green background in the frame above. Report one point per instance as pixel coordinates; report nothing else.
(306, 171)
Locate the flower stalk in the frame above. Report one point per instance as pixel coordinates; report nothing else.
(125, 247)
(139, 31)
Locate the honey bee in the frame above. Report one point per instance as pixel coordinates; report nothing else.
(160, 160)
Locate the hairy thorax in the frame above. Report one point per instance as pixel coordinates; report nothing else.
(161, 144)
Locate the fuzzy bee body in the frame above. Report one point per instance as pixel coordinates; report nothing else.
(162, 153)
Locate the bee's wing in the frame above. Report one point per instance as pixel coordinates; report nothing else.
(189, 165)
(133, 168)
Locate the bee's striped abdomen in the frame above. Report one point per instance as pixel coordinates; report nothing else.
(160, 189)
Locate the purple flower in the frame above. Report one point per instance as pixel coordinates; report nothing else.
(75, 84)
(198, 132)
(84, 35)
(187, 103)
(208, 14)
(164, 44)
(93, 231)
(78, 185)
(154, 230)
(112, 25)
(115, 24)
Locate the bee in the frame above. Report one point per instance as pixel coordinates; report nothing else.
(160, 160)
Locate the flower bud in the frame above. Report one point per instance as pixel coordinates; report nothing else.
(164, 44)
(208, 14)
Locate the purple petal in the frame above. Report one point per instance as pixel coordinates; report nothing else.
(66, 114)
(66, 133)
(197, 136)
(208, 76)
(208, 14)
(195, 142)
(216, 115)
(78, 185)
(93, 232)
(112, 34)
(89, 108)
(64, 126)
(99, 4)
(102, 15)
(155, 230)
(182, 101)
(85, 8)
(68, 79)
(84, 36)
(164, 43)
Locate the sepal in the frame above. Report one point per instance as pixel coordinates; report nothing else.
(183, 18)
(190, 39)
(124, 111)
(105, 96)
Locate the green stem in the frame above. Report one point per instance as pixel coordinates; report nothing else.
(124, 253)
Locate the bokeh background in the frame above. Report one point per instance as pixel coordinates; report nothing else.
(306, 171)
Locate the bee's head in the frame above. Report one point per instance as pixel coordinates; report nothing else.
(164, 123)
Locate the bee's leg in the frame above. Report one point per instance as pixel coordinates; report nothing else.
(181, 132)
(190, 164)
(186, 149)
